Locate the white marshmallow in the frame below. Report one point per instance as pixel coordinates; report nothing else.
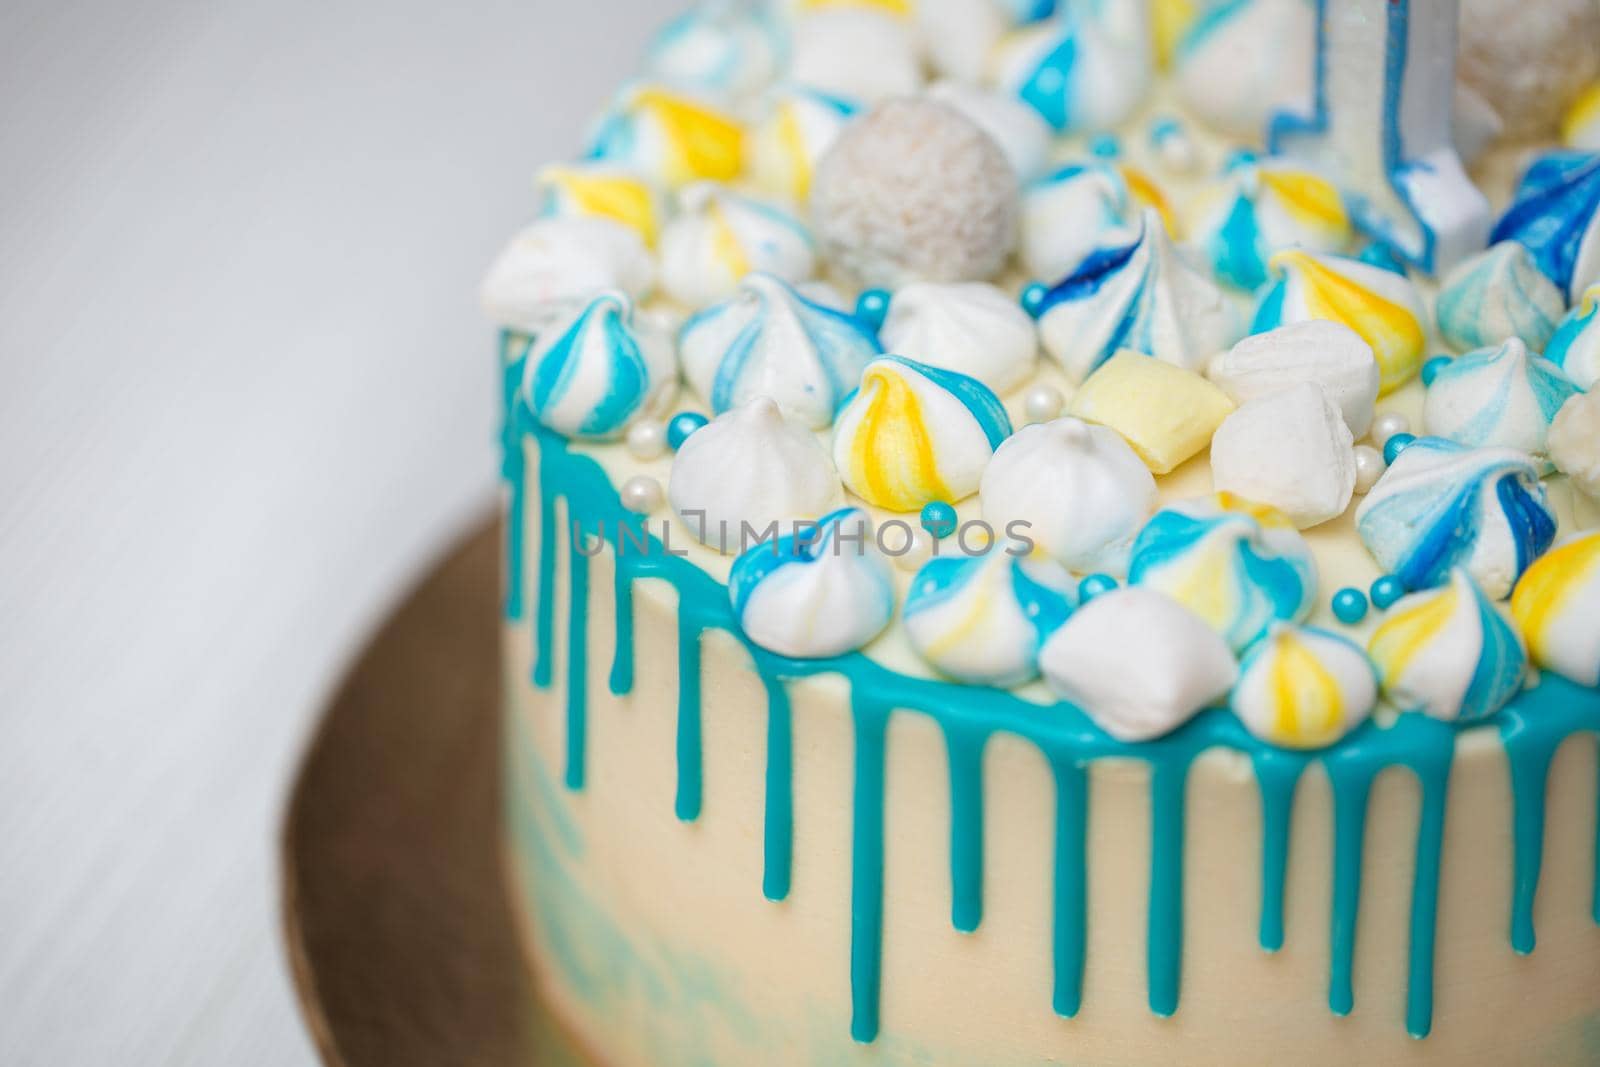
(1574, 442)
(1328, 354)
(1289, 449)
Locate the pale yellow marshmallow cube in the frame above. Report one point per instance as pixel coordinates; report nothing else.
(1168, 414)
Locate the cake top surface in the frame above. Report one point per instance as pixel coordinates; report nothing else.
(1092, 351)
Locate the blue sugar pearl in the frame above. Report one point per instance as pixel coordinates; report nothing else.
(1431, 369)
(939, 519)
(1387, 590)
(1095, 585)
(682, 425)
(1350, 606)
(1396, 445)
(1033, 299)
(872, 307)
(1105, 146)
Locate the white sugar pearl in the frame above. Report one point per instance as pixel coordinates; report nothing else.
(919, 552)
(647, 440)
(1369, 468)
(1386, 426)
(1043, 403)
(1177, 154)
(641, 494)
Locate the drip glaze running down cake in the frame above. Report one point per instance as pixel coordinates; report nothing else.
(1064, 532)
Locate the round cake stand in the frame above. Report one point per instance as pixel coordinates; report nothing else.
(402, 944)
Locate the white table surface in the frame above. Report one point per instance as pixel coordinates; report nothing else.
(244, 394)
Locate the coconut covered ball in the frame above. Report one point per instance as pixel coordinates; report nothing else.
(915, 191)
(1529, 61)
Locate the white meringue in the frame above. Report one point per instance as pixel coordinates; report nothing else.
(1328, 354)
(720, 236)
(855, 52)
(982, 619)
(914, 434)
(1071, 212)
(971, 328)
(1243, 62)
(1019, 131)
(1138, 663)
(768, 340)
(1497, 397)
(750, 467)
(958, 35)
(1291, 450)
(1140, 296)
(1574, 442)
(1304, 688)
(1497, 294)
(732, 49)
(814, 594)
(1077, 490)
(559, 262)
(598, 369)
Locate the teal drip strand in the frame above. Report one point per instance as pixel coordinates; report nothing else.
(866, 870)
(1531, 727)
(621, 680)
(966, 745)
(690, 778)
(1071, 875)
(513, 465)
(778, 841)
(1278, 774)
(577, 668)
(1163, 948)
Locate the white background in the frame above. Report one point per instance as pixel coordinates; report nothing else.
(244, 394)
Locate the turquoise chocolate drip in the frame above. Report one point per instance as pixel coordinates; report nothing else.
(577, 663)
(1532, 727)
(514, 349)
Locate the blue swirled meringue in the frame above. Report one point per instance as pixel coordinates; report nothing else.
(972, 328)
(1441, 505)
(1556, 213)
(1242, 61)
(727, 47)
(1260, 207)
(1502, 396)
(721, 236)
(1498, 293)
(672, 136)
(1304, 688)
(597, 188)
(982, 619)
(1449, 653)
(1088, 68)
(595, 371)
(1069, 213)
(1138, 663)
(1141, 296)
(816, 593)
(914, 434)
(750, 467)
(1575, 346)
(558, 263)
(1083, 492)
(1239, 566)
(796, 126)
(769, 340)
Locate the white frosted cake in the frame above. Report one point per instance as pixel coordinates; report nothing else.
(1064, 532)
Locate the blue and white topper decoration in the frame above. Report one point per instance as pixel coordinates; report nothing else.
(1386, 140)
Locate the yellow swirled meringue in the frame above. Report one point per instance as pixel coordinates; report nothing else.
(1260, 207)
(913, 434)
(1082, 492)
(1581, 126)
(1304, 688)
(1449, 653)
(1140, 296)
(721, 236)
(605, 191)
(770, 340)
(972, 328)
(1379, 304)
(1557, 605)
(559, 263)
(797, 125)
(670, 136)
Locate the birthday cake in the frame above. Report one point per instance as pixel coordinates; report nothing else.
(1064, 532)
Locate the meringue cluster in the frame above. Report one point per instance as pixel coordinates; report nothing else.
(789, 234)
